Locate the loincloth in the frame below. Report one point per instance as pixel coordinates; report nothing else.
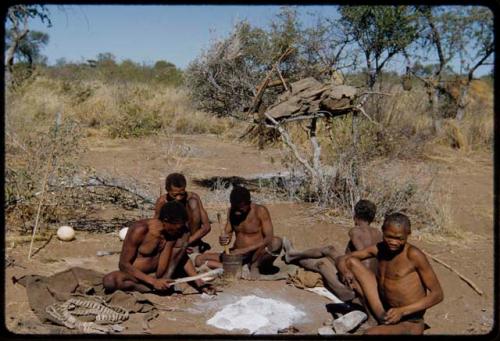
(416, 317)
(196, 252)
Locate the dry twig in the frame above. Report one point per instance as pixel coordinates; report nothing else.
(462, 277)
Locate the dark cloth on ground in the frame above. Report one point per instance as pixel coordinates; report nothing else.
(76, 282)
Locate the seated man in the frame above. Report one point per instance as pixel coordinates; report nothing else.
(198, 223)
(404, 285)
(322, 260)
(254, 237)
(362, 234)
(147, 250)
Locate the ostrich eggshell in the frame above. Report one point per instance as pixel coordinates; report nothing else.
(123, 233)
(65, 233)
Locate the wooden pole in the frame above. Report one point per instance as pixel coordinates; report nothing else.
(226, 247)
(462, 277)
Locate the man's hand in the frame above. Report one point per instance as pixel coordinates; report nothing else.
(162, 283)
(224, 239)
(393, 316)
(347, 278)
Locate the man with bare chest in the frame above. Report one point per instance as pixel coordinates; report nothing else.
(197, 225)
(254, 238)
(146, 253)
(404, 286)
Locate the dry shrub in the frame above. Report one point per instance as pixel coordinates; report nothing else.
(36, 163)
(442, 223)
(121, 109)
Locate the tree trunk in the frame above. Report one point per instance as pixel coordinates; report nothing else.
(355, 160)
(316, 162)
(436, 119)
(462, 102)
(261, 129)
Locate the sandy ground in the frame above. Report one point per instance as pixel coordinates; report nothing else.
(466, 181)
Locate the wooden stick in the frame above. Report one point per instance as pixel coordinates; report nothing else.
(24, 239)
(226, 247)
(465, 279)
(39, 207)
(214, 272)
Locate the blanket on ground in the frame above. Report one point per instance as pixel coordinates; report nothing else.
(75, 298)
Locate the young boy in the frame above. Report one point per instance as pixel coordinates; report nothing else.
(362, 234)
(321, 260)
(405, 284)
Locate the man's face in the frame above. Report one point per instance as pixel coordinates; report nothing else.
(395, 237)
(173, 229)
(177, 194)
(241, 209)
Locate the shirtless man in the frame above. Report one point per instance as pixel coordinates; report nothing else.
(362, 234)
(254, 237)
(404, 286)
(322, 260)
(146, 253)
(198, 223)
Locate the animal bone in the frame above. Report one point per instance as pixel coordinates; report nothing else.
(202, 275)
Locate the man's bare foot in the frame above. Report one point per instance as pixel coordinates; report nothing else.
(288, 248)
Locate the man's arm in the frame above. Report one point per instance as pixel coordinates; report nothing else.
(199, 212)
(129, 252)
(358, 238)
(164, 259)
(228, 231)
(368, 252)
(159, 204)
(267, 232)
(430, 283)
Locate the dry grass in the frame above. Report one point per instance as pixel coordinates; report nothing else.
(119, 109)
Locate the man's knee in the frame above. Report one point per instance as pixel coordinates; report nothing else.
(352, 263)
(109, 281)
(276, 244)
(330, 251)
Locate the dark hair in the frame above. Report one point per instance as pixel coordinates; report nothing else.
(173, 212)
(365, 210)
(239, 195)
(176, 180)
(397, 219)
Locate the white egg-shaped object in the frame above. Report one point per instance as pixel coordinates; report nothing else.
(66, 233)
(123, 233)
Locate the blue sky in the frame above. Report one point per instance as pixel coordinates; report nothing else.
(148, 33)
(176, 33)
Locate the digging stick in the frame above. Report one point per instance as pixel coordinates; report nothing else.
(226, 247)
(462, 277)
(44, 183)
(203, 275)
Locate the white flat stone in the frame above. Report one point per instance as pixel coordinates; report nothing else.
(349, 321)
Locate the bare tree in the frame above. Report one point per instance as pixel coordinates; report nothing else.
(18, 17)
(450, 33)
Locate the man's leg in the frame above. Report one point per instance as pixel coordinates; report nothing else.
(118, 280)
(212, 260)
(401, 328)
(265, 258)
(292, 255)
(366, 286)
(329, 272)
